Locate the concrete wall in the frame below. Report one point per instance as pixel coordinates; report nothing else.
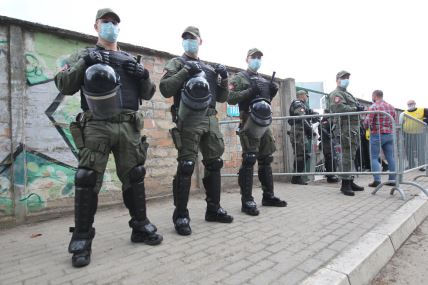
(37, 153)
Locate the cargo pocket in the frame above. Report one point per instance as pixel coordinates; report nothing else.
(176, 138)
(77, 134)
(139, 121)
(144, 146)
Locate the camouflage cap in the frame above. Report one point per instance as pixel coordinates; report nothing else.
(191, 30)
(105, 11)
(302, 92)
(342, 73)
(253, 51)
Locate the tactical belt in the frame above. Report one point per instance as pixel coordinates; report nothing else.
(119, 118)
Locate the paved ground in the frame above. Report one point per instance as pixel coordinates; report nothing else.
(410, 263)
(280, 246)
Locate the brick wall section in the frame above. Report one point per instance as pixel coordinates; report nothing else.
(40, 135)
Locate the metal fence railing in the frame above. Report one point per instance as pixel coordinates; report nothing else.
(351, 153)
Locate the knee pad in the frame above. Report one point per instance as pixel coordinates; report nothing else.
(266, 160)
(213, 164)
(85, 177)
(249, 159)
(186, 167)
(137, 174)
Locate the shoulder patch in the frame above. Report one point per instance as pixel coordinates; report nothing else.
(231, 86)
(337, 99)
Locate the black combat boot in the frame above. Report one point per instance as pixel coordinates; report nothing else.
(300, 167)
(346, 188)
(266, 179)
(245, 181)
(330, 166)
(356, 187)
(298, 180)
(135, 199)
(212, 184)
(85, 206)
(181, 189)
(332, 179)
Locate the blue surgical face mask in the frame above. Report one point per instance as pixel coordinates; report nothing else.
(109, 32)
(191, 46)
(254, 63)
(344, 83)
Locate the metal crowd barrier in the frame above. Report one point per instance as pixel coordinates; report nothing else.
(333, 137)
(412, 137)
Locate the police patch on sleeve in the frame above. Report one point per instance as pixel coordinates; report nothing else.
(337, 100)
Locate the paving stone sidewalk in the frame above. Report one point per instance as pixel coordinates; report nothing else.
(280, 246)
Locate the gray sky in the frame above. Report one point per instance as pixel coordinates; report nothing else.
(382, 43)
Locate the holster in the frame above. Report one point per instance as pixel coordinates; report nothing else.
(174, 113)
(76, 131)
(175, 134)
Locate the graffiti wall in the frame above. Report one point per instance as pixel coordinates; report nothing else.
(37, 153)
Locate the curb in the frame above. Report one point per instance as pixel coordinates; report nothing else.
(360, 262)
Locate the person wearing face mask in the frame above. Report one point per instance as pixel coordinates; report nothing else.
(112, 83)
(300, 133)
(195, 129)
(341, 101)
(245, 87)
(414, 138)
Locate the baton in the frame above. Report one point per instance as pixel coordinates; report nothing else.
(273, 76)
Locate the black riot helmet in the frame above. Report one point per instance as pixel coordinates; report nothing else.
(100, 79)
(261, 111)
(102, 91)
(196, 93)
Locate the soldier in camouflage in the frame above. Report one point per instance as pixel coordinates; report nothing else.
(96, 138)
(245, 87)
(191, 135)
(300, 134)
(341, 101)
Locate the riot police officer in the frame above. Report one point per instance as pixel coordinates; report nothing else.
(112, 83)
(328, 144)
(301, 134)
(196, 87)
(253, 94)
(341, 101)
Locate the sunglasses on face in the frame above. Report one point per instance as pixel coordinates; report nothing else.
(256, 56)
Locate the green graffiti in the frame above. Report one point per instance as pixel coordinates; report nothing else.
(33, 202)
(34, 71)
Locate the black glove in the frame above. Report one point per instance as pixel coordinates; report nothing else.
(135, 69)
(221, 70)
(273, 89)
(193, 67)
(360, 107)
(254, 89)
(95, 56)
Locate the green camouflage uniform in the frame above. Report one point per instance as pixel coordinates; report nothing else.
(300, 134)
(192, 135)
(240, 92)
(119, 134)
(341, 101)
(260, 149)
